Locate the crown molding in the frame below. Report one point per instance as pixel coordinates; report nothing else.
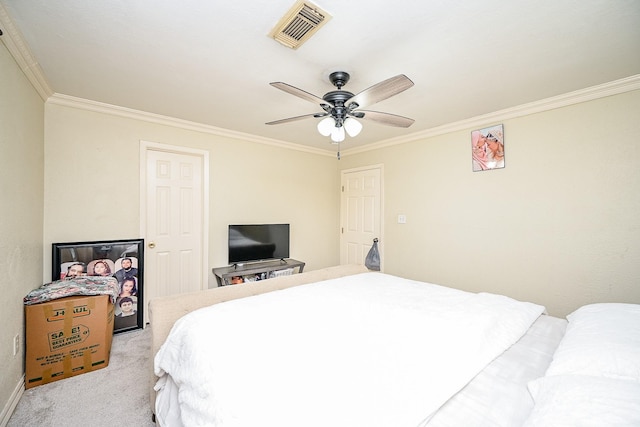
(14, 42)
(21, 53)
(100, 107)
(615, 87)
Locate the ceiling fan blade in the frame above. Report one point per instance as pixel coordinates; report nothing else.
(381, 91)
(387, 119)
(293, 119)
(299, 93)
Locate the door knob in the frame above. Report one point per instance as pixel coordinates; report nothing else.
(152, 245)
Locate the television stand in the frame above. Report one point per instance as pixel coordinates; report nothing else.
(249, 272)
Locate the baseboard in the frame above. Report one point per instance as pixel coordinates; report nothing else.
(8, 409)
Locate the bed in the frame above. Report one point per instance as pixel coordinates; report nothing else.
(344, 346)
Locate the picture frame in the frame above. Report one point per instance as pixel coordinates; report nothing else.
(122, 259)
(487, 148)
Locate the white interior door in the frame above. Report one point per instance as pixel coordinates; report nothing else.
(360, 213)
(175, 217)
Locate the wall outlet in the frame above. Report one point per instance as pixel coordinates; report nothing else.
(16, 344)
(402, 219)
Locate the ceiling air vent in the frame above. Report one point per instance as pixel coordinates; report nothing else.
(299, 24)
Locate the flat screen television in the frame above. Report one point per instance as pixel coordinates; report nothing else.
(257, 242)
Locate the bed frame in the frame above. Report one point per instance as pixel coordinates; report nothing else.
(165, 311)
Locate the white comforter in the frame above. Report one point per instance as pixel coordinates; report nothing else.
(363, 350)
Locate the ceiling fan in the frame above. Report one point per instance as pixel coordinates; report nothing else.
(341, 107)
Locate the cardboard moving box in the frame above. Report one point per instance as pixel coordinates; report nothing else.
(67, 337)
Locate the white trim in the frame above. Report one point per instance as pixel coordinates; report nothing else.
(616, 87)
(627, 84)
(101, 107)
(21, 53)
(25, 59)
(11, 404)
(148, 145)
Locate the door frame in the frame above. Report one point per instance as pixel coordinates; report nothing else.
(146, 146)
(381, 241)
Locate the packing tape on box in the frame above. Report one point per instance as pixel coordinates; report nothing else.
(67, 368)
(88, 365)
(46, 375)
(67, 324)
(48, 312)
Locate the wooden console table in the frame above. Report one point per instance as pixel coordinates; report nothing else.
(261, 269)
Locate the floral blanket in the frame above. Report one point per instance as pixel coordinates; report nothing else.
(83, 285)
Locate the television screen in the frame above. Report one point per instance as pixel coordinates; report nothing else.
(255, 242)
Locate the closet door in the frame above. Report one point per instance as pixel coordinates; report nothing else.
(360, 213)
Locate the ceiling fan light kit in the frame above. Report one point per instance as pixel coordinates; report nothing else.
(326, 125)
(337, 134)
(352, 126)
(341, 108)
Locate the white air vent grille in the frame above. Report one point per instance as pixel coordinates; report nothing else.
(299, 24)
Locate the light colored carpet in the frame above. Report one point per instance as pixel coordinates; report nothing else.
(117, 395)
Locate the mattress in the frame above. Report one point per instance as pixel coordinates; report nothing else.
(451, 371)
(498, 395)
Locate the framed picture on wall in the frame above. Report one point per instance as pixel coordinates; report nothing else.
(487, 148)
(122, 259)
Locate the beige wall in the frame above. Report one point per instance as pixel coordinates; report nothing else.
(560, 225)
(21, 193)
(92, 185)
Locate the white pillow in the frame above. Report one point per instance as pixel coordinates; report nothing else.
(578, 400)
(601, 340)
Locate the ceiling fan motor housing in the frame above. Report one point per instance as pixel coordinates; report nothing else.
(337, 98)
(339, 78)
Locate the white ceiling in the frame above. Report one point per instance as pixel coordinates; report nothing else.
(211, 61)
